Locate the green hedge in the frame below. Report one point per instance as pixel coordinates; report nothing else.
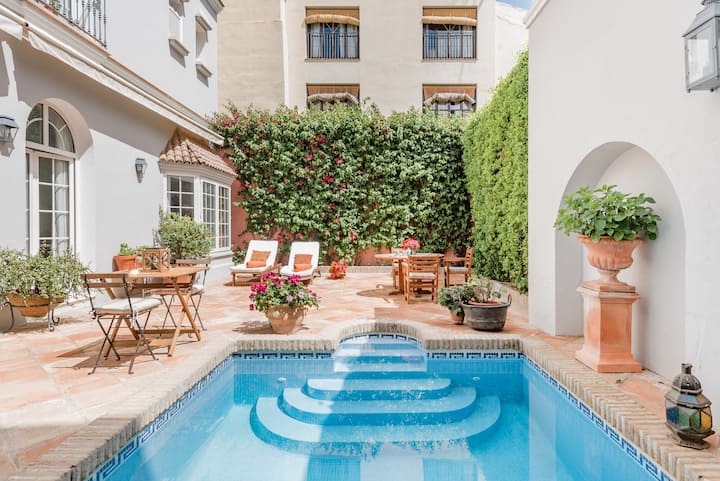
(496, 162)
(350, 177)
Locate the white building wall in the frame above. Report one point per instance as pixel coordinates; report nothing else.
(608, 105)
(390, 70)
(137, 36)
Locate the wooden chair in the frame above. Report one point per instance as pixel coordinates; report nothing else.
(395, 268)
(196, 291)
(134, 312)
(421, 272)
(465, 269)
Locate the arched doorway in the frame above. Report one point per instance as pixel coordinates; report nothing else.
(659, 268)
(52, 147)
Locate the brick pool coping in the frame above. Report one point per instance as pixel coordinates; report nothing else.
(82, 453)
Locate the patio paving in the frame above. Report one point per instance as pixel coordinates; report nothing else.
(48, 395)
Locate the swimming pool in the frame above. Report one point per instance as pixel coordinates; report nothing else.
(379, 408)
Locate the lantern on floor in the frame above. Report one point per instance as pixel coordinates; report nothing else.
(687, 411)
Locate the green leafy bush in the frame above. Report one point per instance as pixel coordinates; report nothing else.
(496, 160)
(607, 212)
(185, 238)
(39, 274)
(454, 297)
(349, 178)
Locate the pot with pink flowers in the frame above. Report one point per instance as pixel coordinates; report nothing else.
(284, 300)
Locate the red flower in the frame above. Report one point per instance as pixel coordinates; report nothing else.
(353, 236)
(252, 307)
(300, 182)
(320, 139)
(309, 157)
(336, 220)
(338, 160)
(329, 179)
(343, 185)
(270, 190)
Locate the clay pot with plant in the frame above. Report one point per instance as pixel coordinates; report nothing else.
(610, 224)
(32, 283)
(125, 258)
(453, 298)
(485, 310)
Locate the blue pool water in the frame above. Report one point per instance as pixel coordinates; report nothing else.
(380, 409)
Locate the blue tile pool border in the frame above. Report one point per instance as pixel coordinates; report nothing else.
(147, 433)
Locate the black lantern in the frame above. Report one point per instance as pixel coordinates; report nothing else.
(702, 61)
(687, 411)
(8, 127)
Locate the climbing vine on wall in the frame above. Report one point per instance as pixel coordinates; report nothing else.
(496, 163)
(350, 178)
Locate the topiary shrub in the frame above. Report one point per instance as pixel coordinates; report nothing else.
(185, 238)
(496, 160)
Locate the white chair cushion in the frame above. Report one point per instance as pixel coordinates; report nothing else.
(120, 307)
(249, 270)
(421, 275)
(288, 271)
(457, 269)
(197, 289)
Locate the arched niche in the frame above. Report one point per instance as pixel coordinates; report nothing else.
(658, 271)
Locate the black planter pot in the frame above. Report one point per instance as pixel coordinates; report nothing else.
(487, 318)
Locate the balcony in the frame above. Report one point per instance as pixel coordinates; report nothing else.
(90, 16)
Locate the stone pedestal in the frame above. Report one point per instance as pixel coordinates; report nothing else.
(608, 328)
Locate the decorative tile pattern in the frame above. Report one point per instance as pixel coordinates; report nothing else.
(630, 449)
(275, 355)
(475, 355)
(105, 470)
(383, 335)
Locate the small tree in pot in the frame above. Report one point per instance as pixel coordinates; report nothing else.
(453, 298)
(185, 238)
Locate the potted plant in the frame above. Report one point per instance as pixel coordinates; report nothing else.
(338, 269)
(125, 258)
(610, 224)
(283, 300)
(453, 298)
(31, 283)
(185, 238)
(485, 311)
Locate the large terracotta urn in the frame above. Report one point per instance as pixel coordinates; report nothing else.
(608, 304)
(285, 319)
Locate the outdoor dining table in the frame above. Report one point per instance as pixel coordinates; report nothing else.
(401, 258)
(172, 279)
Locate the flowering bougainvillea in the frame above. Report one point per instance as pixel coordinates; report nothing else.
(349, 177)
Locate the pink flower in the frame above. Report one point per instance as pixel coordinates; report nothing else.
(289, 298)
(300, 182)
(338, 160)
(353, 236)
(343, 185)
(336, 220)
(329, 179)
(252, 307)
(270, 190)
(309, 157)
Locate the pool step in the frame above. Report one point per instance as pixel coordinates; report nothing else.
(347, 389)
(271, 424)
(456, 405)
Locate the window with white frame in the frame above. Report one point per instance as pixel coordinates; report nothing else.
(176, 19)
(212, 199)
(50, 157)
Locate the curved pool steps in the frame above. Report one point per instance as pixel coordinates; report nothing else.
(349, 388)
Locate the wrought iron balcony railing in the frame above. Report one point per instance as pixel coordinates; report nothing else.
(90, 16)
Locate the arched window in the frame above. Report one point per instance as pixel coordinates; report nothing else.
(50, 154)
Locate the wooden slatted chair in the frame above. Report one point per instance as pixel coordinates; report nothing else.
(134, 312)
(465, 270)
(421, 272)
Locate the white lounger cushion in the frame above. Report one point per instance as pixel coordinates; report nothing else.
(120, 307)
(288, 271)
(270, 246)
(242, 268)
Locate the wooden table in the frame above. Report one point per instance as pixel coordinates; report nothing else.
(171, 278)
(402, 258)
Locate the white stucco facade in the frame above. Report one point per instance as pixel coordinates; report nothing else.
(608, 105)
(271, 35)
(120, 102)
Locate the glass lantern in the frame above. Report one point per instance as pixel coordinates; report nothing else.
(687, 411)
(702, 61)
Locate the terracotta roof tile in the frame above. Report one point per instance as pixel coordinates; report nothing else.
(181, 149)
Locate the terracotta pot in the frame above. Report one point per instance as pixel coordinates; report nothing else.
(34, 305)
(457, 318)
(285, 319)
(124, 263)
(609, 256)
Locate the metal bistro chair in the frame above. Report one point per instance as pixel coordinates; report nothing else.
(197, 290)
(421, 272)
(465, 270)
(134, 312)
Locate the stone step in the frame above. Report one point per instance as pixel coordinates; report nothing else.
(274, 426)
(455, 406)
(346, 389)
(378, 355)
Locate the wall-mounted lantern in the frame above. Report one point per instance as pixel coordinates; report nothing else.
(702, 64)
(687, 411)
(8, 128)
(140, 167)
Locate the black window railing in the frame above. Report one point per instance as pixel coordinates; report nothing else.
(333, 40)
(448, 41)
(90, 16)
